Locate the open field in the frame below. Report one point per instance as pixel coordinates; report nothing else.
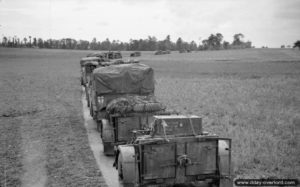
(251, 96)
(41, 120)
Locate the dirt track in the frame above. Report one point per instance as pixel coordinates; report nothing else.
(105, 163)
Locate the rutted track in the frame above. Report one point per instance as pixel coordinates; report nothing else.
(105, 163)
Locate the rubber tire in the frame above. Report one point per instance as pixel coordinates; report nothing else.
(91, 111)
(120, 171)
(81, 80)
(99, 126)
(87, 97)
(94, 114)
(108, 149)
(128, 172)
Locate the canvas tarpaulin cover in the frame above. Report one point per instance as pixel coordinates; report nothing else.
(124, 79)
(86, 59)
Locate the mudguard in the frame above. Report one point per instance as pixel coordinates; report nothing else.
(107, 131)
(107, 138)
(225, 165)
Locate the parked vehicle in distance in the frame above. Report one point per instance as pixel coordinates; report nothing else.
(175, 150)
(160, 52)
(135, 54)
(112, 55)
(185, 51)
(106, 55)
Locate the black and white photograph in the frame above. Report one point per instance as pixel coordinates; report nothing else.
(149, 93)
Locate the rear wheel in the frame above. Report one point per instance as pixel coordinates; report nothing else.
(99, 127)
(107, 138)
(91, 110)
(87, 97)
(120, 171)
(81, 80)
(108, 149)
(126, 166)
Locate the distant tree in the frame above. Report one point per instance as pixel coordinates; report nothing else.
(25, 41)
(106, 45)
(193, 46)
(40, 43)
(226, 45)
(179, 43)
(152, 43)
(248, 44)
(282, 46)
(34, 42)
(4, 41)
(161, 45)
(168, 43)
(15, 41)
(205, 44)
(94, 44)
(214, 41)
(83, 44)
(237, 39)
(29, 41)
(297, 44)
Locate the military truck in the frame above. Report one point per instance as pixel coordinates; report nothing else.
(112, 55)
(86, 71)
(122, 100)
(175, 150)
(82, 62)
(96, 54)
(135, 54)
(160, 52)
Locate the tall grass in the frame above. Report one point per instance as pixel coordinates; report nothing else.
(262, 116)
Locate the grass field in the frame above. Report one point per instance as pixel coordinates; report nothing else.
(41, 120)
(251, 96)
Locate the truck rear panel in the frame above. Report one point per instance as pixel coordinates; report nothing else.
(180, 160)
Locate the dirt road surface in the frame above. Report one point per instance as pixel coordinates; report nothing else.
(105, 163)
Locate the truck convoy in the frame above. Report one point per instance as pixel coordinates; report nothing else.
(151, 145)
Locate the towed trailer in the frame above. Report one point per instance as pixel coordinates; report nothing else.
(175, 150)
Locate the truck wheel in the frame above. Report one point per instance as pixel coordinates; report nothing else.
(87, 97)
(108, 138)
(81, 81)
(108, 149)
(226, 183)
(99, 126)
(91, 111)
(94, 114)
(120, 170)
(126, 166)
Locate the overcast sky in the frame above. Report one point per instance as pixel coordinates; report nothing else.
(264, 22)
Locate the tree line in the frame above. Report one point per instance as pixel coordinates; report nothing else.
(213, 42)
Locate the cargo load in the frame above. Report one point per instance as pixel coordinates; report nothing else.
(132, 78)
(134, 103)
(86, 59)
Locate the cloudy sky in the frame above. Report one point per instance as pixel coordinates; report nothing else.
(264, 22)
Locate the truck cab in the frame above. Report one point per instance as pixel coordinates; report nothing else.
(83, 63)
